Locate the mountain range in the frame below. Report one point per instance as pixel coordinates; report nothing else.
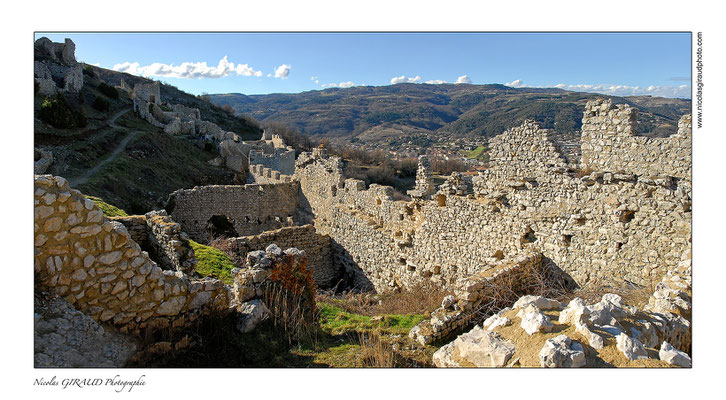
(424, 113)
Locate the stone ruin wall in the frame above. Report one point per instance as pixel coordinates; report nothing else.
(281, 159)
(316, 247)
(260, 174)
(252, 209)
(149, 92)
(55, 67)
(609, 143)
(602, 226)
(93, 264)
(162, 238)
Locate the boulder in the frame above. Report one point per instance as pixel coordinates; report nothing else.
(674, 356)
(534, 320)
(561, 352)
(477, 348)
(496, 321)
(542, 303)
(448, 301)
(251, 314)
(631, 348)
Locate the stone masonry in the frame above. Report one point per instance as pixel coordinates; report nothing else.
(95, 266)
(609, 143)
(317, 249)
(615, 224)
(251, 209)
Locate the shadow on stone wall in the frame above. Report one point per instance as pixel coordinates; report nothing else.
(352, 277)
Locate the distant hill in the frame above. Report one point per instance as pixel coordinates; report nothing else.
(410, 112)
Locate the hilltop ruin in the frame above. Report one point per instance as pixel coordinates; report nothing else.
(622, 215)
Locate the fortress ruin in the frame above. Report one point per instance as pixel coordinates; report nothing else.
(623, 215)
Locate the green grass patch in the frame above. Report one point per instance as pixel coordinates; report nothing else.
(478, 154)
(108, 209)
(338, 321)
(212, 262)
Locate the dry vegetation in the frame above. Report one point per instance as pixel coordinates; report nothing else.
(420, 299)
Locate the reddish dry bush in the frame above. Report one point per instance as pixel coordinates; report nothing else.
(290, 296)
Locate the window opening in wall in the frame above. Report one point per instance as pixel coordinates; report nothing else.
(529, 236)
(566, 240)
(441, 200)
(627, 216)
(220, 226)
(499, 255)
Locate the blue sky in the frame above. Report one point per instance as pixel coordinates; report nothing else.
(256, 63)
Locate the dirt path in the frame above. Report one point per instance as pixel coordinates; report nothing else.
(115, 153)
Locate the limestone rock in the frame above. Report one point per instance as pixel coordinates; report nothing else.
(534, 320)
(542, 303)
(561, 352)
(631, 348)
(673, 356)
(478, 348)
(251, 314)
(448, 301)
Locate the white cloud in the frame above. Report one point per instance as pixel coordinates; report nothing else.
(516, 83)
(341, 84)
(463, 79)
(313, 78)
(435, 82)
(282, 71)
(188, 70)
(403, 79)
(683, 91)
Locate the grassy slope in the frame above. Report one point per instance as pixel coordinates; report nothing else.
(108, 209)
(212, 262)
(153, 165)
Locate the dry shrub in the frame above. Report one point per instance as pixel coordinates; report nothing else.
(290, 296)
(419, 299)
(375, 352)
(632, 294)
(502, 292)
(224, 245)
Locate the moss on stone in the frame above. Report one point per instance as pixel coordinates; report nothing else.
(212, 262)
(108, 209)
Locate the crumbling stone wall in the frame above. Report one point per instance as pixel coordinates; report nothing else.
(260, 174)
(316, 247)
(251, 209)
(149, 92)
(609, 143)
(56, 68)
(607, 225)
(281, 159)
(480, 292)
(170, 244)
(45, 159)
(93, 263)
